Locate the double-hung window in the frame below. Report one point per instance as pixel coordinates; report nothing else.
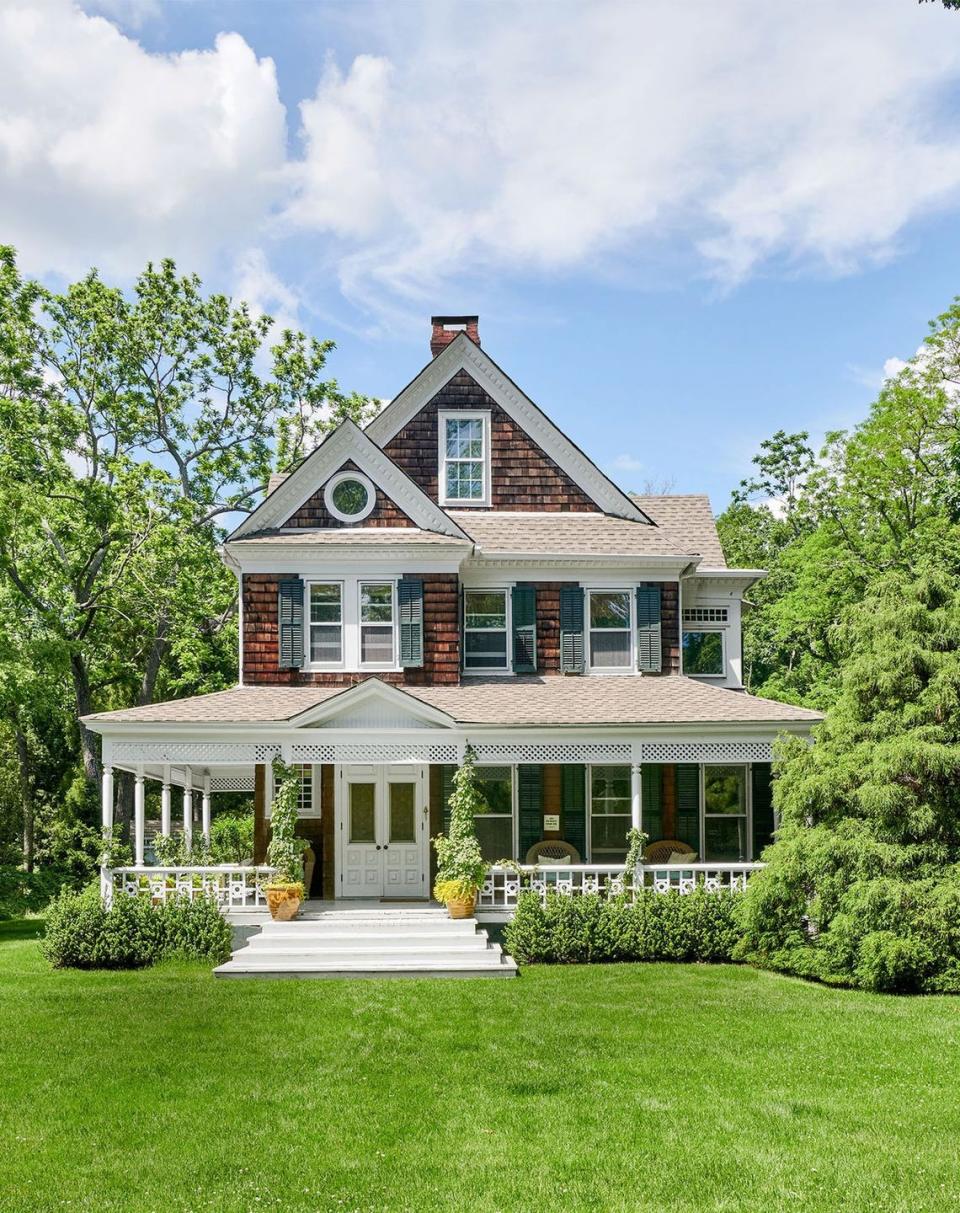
(610, 813)
(464, 458)
(725, 832)
(495, 827)
(485, 631)
(611, 629)
(326, 623)
(376, 623)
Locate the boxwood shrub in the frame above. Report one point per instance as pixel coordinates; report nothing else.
(586, 928)
(133, 933)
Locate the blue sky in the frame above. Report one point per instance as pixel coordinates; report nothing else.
(683, 226)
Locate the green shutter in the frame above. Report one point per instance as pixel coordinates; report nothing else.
(530, 804)
(573, 792)
(571, 629)
(410, 607)
(649, 653)
(763, 823)
(524, 611)
(290, 623)
(651, 785)
(448, 770)
(688, 804)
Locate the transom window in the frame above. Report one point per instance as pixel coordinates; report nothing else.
(485, 632)
(611, 629)
(349, 496)
(610, 814)
(704, 614)
(703, 653)
(725, 813)
(464, 464)
(353, 624)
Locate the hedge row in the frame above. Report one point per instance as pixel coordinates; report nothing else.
(696, 926)
(133, 933)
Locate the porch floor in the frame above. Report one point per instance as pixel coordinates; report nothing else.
(368, 939)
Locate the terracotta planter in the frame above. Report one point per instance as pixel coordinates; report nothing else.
(283, 903)
(462, 907)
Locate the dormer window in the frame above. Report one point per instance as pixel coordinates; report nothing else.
(464, 458)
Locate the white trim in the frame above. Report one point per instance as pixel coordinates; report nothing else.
(463, 354)
(482, 502)
(339, 478)
(350, 625)
(372, 690)
(347, 441)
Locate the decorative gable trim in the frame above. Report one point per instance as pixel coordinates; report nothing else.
(347, 442)
(463, 354)
(373, 700)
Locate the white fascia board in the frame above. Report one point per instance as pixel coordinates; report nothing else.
(729, 580)
(363, 561)
(365, 692)
(462, 354)
(347, 441)
(641, 564)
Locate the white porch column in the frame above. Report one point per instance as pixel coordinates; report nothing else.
(106, 802)
(138, 818)
(636, 797)
(165, 808)
(188, 810)
(205, 807)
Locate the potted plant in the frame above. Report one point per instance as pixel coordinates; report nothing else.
(285, 889)
(460, 866)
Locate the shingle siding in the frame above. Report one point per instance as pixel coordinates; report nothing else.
(314, 513)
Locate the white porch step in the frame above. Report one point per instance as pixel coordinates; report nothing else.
(378, 942)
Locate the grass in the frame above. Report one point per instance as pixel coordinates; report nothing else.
(608, 1088)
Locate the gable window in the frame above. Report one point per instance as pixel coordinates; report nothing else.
(376, 623)
(326, 623)
(349, 496)
(464, 464)
(485, 630)
(611, 629)
(703, 654)
(610, 813)
(725, 813)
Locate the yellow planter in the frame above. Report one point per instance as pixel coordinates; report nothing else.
(283, 903)
(462, 907)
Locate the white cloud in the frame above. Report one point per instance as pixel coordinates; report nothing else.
(264, 292)
(736, 138)
(627, 463)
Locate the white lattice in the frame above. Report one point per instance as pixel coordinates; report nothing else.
(704, 614)
(707, 751)
(231, 783)
(561, 751)
(374, 752)
(194, 753)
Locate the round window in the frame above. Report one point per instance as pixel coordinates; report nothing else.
(349, 496)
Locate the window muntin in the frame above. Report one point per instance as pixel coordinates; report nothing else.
(485, 630)
(495, 827)
(464, 458)
(610, 622)
(725, 814)
(326, 623)
(349, 496)
(704, 614)
(376, 623)
(610, 813)
(703, 654)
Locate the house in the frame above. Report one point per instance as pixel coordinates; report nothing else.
(461, 573)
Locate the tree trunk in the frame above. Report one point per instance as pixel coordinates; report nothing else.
(26, 797)
(84, 701)
(158, 650)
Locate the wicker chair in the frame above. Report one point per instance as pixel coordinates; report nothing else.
(660, 852)
(553, 851)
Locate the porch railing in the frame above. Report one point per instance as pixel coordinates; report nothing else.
(235, 887)
(503, 885)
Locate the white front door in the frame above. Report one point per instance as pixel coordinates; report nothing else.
(382, 843)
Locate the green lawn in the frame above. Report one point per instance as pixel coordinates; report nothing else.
(610, 1088)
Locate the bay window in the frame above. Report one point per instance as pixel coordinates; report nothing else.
(725, 813)
(611, 629)
(464, 458)
(485, 631)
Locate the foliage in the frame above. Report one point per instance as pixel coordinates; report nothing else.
(862, 885)
(285, 850)
(171, 850)
(231, 838)
(23, 892)
(454, 890)
(590, 929)
(636, 842)
(458, 852)
(133, 933)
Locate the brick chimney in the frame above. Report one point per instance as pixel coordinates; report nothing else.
(445, 328)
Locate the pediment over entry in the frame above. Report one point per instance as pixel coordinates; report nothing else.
(373, 705)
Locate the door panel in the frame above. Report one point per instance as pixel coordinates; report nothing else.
(382, 833)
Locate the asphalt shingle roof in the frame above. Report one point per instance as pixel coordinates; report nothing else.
(686, 520)
(557, 534)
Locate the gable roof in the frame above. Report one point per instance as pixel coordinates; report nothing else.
(347, 441)
(463, 354)
(686, 520)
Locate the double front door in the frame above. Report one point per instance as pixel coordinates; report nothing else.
(382, 835)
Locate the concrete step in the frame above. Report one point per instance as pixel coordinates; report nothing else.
(360, 967)
(370, 948)
(424, 915)
(367, 930)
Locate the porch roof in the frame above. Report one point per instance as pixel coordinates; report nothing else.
(524, 701)
(498, 532)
